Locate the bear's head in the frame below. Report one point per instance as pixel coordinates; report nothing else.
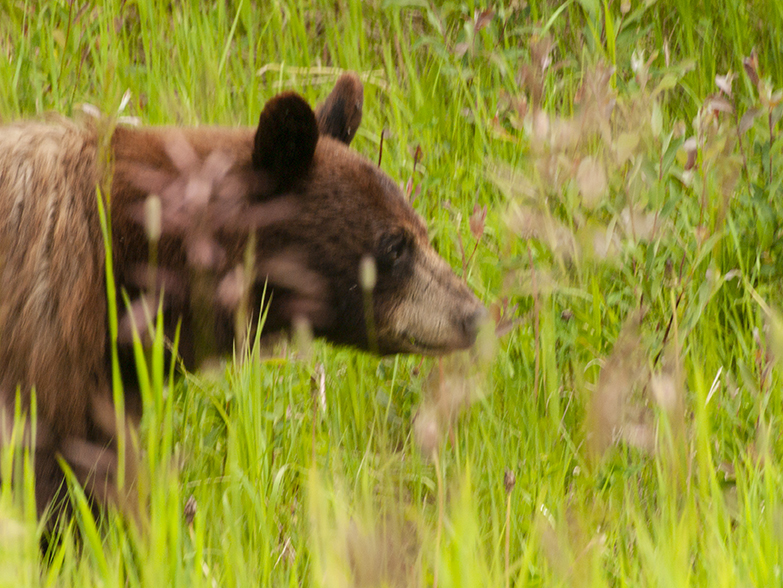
(354, 259)
(343, 218)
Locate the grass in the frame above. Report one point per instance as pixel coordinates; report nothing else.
(635, 401)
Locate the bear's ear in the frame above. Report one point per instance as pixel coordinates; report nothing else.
(340, 115)
(286, 138)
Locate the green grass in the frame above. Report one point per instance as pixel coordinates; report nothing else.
(289, 491)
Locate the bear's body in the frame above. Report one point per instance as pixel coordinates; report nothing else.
(285, 211)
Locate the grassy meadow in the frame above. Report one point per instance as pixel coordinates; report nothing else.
(604, 174)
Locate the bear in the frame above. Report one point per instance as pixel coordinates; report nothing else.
(282, 218)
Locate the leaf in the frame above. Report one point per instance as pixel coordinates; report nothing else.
(714, 149)
(418, 155)
(747, 120)
(667, 83)
(591, 180)
(724, 83)
(686, 65)
(483, 18)
(691, 147)
(59, 37)
(656, 120)
(625, 146)
(591, 7)
(751, 65)
(405, 3)
(719, 104)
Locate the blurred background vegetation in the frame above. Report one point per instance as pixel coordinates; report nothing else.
(604, 174)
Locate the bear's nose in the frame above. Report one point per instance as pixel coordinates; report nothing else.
(472, 322)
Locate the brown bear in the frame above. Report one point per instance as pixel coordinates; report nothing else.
(203, 221)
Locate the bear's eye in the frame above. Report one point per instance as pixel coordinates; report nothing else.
(391, 250)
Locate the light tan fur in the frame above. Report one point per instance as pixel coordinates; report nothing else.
(52, 263)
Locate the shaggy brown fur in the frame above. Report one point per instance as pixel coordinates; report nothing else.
(311, 208)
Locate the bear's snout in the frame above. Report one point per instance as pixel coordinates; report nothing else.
(472, 322)
(436, 312)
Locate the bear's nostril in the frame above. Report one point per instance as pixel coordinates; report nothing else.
(472, 322)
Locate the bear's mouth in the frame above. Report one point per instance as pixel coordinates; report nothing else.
(421, 346)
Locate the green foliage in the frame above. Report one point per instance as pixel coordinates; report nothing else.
(630, 252)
